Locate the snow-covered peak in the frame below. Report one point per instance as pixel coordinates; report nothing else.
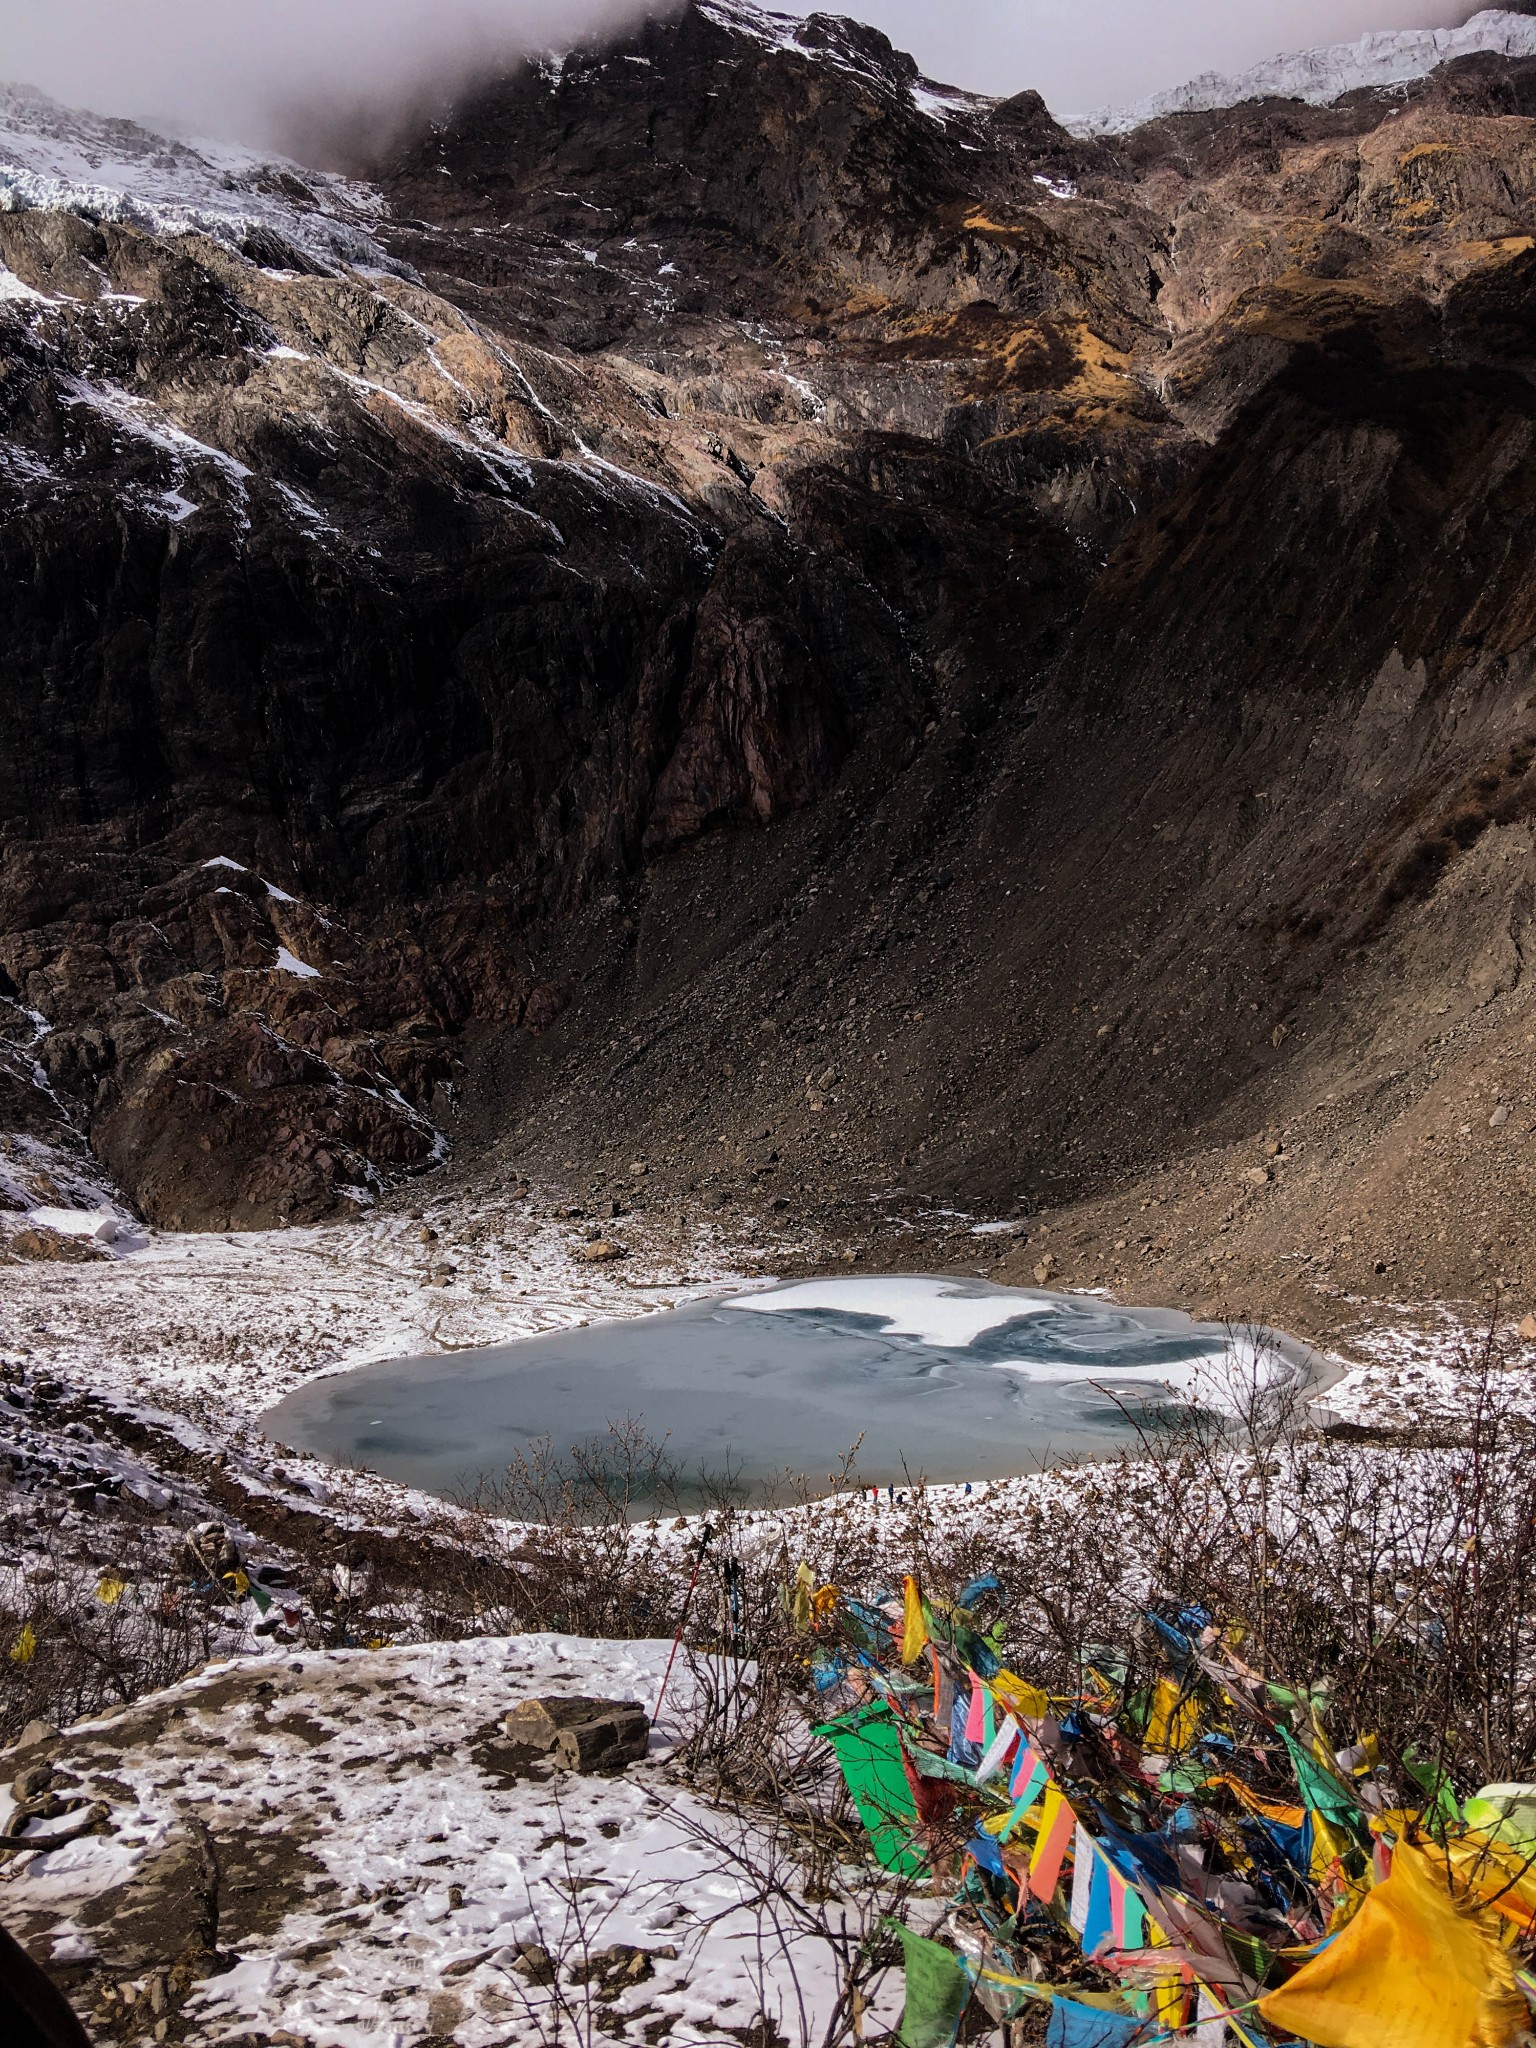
(1386, 58)
(849, 46)
(775, 31)
(53, 156)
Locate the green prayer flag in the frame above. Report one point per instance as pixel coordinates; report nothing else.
(1434, 1780)
(938, 1991)
(1320, 1789)
(867, 1745)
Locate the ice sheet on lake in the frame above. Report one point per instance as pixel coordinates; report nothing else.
(1058, 1339)
(955, 1379)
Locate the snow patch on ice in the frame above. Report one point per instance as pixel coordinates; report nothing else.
(934, 1311)
(1319, 76)
(1222, 1371)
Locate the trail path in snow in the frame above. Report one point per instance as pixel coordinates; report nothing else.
(383, 1855)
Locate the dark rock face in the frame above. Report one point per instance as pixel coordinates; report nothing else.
(759, 538)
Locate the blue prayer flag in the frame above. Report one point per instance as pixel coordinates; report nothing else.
(1088, 2026)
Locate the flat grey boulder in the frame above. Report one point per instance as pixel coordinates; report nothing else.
(579, 1733)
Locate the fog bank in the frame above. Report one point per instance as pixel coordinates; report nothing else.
(240, 68)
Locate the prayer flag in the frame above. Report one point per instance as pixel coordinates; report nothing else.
(1028, 1771)
(1098, 1928)
(1210, 2027)
(1056, 1824)
(1370, 1984)
(1089, 2026)
(24, 1649)
(1175, 1718)
(110, 1589)
(1083, 1860)
(914, 1629)
(997, 1753)
(975, 1720)
(938, 1991)
(1027, 1701)
(1133, 1933)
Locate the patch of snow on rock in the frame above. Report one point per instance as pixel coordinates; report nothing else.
(1319, 76)
(290, 963)
(14, 291)
(944, 102)
(57, 157)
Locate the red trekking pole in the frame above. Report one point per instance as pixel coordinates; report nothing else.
(683, 1621)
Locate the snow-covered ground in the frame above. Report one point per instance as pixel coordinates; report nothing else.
(211, 1329)
(381, 1873)
(217, 1326)
(393, 1856)
(1383, 59)
(1412, 1366)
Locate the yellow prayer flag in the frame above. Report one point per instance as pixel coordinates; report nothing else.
(1174, 1721)
(1495, 1875)
(1020, 1697)
(914, 1629)
(1412, 1968)
(110, 1589)
(238, 1580)
(1170, 1996)
(1331, 1844)
(24, 1649)
(798, 1599)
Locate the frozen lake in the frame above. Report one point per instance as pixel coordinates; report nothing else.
(948, 1379)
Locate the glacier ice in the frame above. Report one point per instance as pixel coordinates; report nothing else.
(1385, 58)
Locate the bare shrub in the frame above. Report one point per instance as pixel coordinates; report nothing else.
(77, 1637)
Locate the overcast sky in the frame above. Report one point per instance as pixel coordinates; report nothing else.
(1090, 53)
(227, 66)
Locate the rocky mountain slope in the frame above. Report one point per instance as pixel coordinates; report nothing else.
(731, 608)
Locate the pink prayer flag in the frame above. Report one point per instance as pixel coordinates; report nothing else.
(975, 1720)
(1117, 1890)
(1025, 1764)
